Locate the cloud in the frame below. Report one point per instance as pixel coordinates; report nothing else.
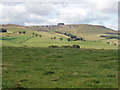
(97, 12)
(39, 8)
(12, 14)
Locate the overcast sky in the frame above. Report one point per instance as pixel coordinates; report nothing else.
(51, 13)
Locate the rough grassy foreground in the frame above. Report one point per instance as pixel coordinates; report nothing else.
(59, 68)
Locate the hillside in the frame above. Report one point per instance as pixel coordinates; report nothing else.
(45, 36)
(88, 32)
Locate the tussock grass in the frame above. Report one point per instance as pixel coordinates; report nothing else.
(61, 68)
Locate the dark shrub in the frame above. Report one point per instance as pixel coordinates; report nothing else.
(51, 38)
(66, 46)
(108, 42)
(49, 72)
(75, 46)
(20, 32)
(53, 46)
(33, 34)
(68, 39)
(36, 35)
(115, 43)
(24, 32)
(61, 38)
(54, 37)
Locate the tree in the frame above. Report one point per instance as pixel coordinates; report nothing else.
(72, 36)
(40, 35)
(65, 33)
(36, 35)
(54, 37)
(51, 37)
(68, 39)
(20, 32)
(33, 34)
(61, 38)
(24, 32)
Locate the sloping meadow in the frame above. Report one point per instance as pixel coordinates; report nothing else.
(59, 68)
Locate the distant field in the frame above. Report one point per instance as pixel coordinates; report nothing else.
(59, 68)
(45, 41)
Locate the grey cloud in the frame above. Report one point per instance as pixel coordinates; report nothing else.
(51, 13)
(40, 8)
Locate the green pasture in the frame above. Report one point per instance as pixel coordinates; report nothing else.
(59, 68)
(45, 41)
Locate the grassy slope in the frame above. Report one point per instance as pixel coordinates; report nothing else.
(16, 28)
(18, 41)
(44, 41)
(89, 32)
(55, 68)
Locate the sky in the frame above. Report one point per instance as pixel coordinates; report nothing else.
(32, 12)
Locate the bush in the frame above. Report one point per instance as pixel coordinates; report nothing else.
(53, 46)
(36, 35)
(61, 38)
(20, 32)
(33, 34)
(108, 42)
(66, 46)
(68, 39)
(49, 72)
(75, 46)
(54, 37)
(24, 32)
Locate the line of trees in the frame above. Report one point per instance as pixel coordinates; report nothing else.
(53, 37)
(36, 35)
(65, 46)
(110, 37)
(22, 32)
(73, 37)
(56, 38)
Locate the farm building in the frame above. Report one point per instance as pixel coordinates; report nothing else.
(60, 24)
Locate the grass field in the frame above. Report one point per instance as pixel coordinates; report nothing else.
(55, 68)
(44, 41)
(27, 62)
(88, 32)
(21, 41)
